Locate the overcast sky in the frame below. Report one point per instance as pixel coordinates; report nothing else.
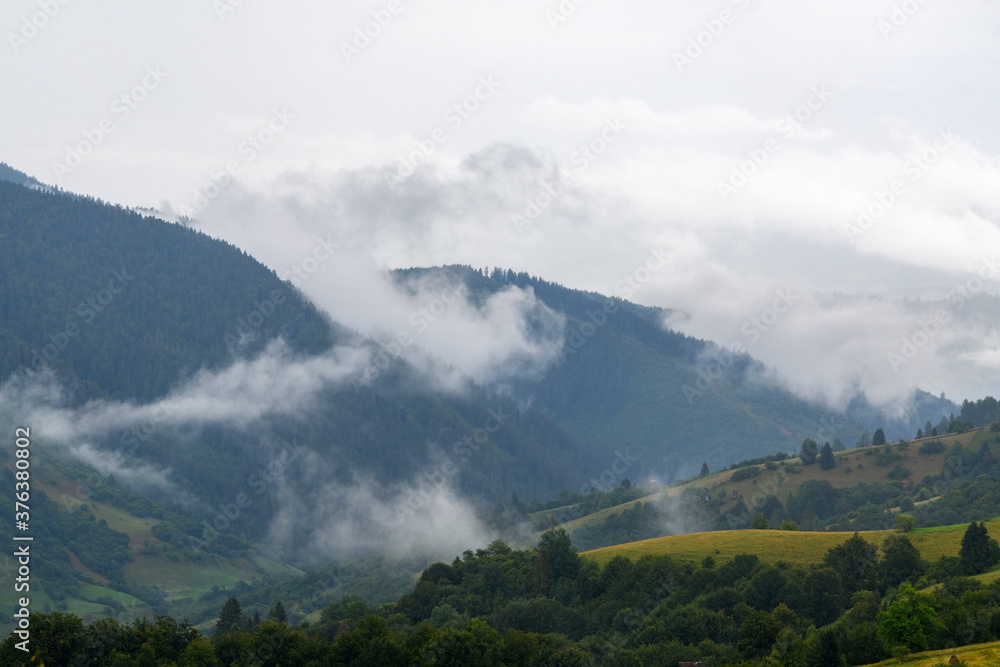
(740, 139)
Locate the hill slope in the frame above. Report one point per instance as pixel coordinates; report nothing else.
(626, 381)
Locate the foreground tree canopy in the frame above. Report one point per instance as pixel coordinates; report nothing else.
(549, 606)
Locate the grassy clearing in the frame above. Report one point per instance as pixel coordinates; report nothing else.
(854, 466)
(96, 592)
(771, 546)
(976, 654)
(183, 579)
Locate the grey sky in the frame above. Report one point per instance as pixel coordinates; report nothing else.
(874, 85)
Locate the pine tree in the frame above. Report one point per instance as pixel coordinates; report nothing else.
(878, 438)
(978, 553)
(826, 459)
(230, 618)
(704, 469)
(277, 613)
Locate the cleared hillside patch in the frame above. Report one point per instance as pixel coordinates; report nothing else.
(771, 546)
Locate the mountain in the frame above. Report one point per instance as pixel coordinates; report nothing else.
(147, 358)
(193, 414)
(8, 173)
(627, 382)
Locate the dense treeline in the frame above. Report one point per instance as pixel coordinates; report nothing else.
(126, 304)
(982, 412)
(966, 490)
(547, 606)
(623, 377)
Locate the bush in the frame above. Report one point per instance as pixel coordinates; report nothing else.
(932, 447)
(899, 472)
(745, 473)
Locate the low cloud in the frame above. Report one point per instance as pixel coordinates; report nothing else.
(784, 227)
(276, 383)
(334, 521)
(328, 519)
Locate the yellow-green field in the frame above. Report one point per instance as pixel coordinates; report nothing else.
(771, 546)
(976, 654)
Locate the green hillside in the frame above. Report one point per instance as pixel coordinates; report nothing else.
(147, 576)
(863, 489)
(773, 546)
(672, 400)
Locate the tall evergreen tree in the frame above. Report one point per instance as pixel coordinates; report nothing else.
(878, 438)
(704, 469)
(230, 617)
(277, 613)
(978, 553)
(826, 459)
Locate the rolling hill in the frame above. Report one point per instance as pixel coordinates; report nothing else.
(675, 401)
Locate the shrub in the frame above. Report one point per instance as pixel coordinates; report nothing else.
(932, 447)
(899, 472)
(745, 473)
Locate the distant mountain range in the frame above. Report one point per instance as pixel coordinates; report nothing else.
(140, 347)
